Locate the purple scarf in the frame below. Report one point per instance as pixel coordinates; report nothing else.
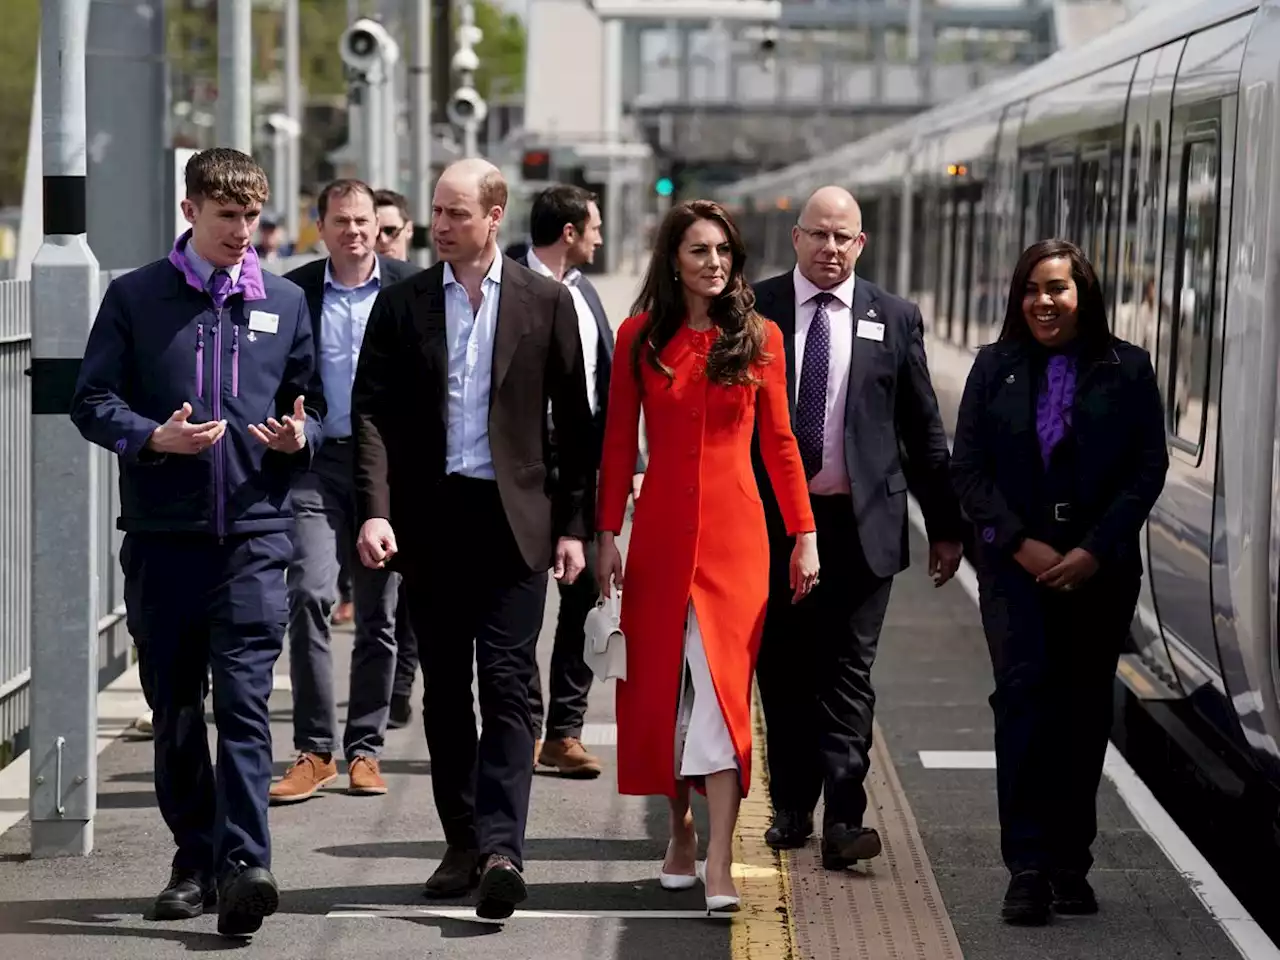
(1053, 409)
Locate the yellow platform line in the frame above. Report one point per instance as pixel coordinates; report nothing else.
(762, 929)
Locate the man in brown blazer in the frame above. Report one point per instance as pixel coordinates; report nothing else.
(449, 407)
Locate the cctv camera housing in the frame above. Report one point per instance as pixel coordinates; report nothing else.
(467, 106)
(366, 44)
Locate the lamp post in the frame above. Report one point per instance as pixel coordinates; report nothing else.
(467, 108)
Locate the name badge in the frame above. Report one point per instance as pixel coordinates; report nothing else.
(870, 330)
(264, 322)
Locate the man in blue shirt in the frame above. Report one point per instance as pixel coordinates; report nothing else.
(200, 375)
(340, 291)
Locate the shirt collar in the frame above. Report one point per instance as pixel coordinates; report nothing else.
(494, 275)
(571, 276)
(375, 277)
(204, 269)
(806, 290)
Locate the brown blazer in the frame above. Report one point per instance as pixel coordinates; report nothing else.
(399, 411)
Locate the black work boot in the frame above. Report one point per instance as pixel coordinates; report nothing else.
(1026, 902)
(791, 829)
(843, 846)
(245, 896)
(1072, 894)
(186, 896)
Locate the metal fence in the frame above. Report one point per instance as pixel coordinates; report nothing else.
(114, 644)
(19, 472)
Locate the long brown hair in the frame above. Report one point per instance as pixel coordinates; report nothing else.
(1092, 329)
(742, 330)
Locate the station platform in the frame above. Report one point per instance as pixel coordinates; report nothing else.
(351, 868)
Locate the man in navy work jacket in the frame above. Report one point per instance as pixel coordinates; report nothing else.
(200, 374)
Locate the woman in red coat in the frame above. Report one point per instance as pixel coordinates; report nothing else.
(699, 360)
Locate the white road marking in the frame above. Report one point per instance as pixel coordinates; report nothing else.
(1240, 927)
(958, 759)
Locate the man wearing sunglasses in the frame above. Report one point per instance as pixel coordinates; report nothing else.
(395, 229)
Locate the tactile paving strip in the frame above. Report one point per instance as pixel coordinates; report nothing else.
(885, 909)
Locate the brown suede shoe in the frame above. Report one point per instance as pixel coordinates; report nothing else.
(570, 759)
(307, 775)
(366, 780)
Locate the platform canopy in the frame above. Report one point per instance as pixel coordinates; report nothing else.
(756, 11)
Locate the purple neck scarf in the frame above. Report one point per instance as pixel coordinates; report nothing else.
(1053, 409)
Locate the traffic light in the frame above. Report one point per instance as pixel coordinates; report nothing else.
(664, 187)
(536, 165)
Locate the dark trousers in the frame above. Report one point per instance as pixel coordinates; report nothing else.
(570, 676)
(1054, 659)
(196, 607)
(470, 593)
(814, 671)
(406, 648)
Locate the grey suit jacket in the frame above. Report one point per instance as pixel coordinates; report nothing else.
(893, 432)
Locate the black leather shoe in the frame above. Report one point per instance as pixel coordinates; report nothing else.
(791, 829)
(1026, 902)
(844, 846)
(457, 875)
(501, 888)
(1072, 894)
(401, 711)
(245, 896)
(186, 896)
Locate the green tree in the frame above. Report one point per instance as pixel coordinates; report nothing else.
(501, 51)
(19, 41)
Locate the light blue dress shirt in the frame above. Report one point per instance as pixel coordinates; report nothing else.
(470, 338)
(344, 314)
(203, 268)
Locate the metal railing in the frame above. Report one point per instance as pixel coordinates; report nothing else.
(19, 472)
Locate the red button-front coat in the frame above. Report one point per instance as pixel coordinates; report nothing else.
(698, 533)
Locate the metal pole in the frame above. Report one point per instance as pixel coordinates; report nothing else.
(913, 30)
(612, 96)
(369, 96)
(235, 74)
(292, 185)
(64, 505)
(127, 105)
(420, 127)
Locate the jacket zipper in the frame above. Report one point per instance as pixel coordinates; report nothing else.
(219, 449)
(200, 361)
(235, 359)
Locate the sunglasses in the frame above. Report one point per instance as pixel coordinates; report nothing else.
(390, 233)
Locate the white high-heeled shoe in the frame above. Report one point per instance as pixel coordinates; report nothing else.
(677, 881)
(721, 903)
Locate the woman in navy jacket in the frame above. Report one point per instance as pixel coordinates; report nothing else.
(1059, 456)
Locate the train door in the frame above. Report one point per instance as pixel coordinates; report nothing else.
(1188, 348)
(1147, 121)
(1006, 233)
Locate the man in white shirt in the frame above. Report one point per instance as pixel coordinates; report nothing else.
(565, 232)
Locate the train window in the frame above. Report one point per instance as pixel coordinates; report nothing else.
(1194, 298)
(1032, 180)
(1111, 223)
(1129, 281)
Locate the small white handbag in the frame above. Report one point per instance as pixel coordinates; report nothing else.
(605, 648)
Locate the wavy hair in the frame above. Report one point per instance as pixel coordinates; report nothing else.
(1092, 329)
(742, 329)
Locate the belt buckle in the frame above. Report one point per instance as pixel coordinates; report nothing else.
(1062, 512)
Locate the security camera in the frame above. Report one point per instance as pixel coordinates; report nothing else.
(281, 123)
(467, 106)
(366, 44)
(466, 61)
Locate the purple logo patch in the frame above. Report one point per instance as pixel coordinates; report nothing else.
(988, 534)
